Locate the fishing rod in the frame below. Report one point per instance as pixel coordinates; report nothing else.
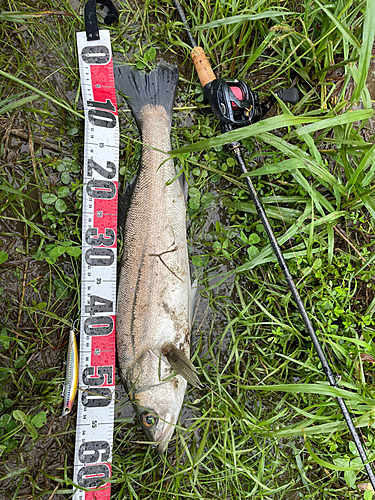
(236, 106)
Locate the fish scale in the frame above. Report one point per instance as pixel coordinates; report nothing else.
(155, 269)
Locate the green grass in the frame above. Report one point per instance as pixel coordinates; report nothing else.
(266, 425)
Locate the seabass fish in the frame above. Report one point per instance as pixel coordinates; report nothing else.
(154, 295)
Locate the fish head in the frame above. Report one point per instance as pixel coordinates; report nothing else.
(157, 397)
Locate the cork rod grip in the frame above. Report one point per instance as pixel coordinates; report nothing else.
(202, 65)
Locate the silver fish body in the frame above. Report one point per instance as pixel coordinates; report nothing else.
(154, 291)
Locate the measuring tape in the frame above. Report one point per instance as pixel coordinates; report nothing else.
(95, 414)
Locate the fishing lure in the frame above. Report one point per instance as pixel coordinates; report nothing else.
(71, 378)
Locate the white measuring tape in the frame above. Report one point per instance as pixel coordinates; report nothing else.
(95, 415)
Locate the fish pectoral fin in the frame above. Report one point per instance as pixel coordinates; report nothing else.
(182, 365)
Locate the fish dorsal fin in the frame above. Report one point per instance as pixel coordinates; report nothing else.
(184, 186)
(124, 203)
(182, 365)
(192, 298)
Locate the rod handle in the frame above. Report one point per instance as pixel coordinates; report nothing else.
(202, 66)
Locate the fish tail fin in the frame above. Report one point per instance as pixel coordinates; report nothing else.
(157, 88)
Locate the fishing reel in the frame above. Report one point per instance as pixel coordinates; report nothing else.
(236, 105)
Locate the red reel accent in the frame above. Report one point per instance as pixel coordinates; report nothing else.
(239, 94)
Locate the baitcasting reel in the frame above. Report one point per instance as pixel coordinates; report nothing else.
(235, 104)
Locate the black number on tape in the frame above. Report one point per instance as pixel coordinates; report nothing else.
(102, 105)
(101, 118)
(100, 189)
(101, 325)
(98, 54)
(89, 452)
(97, 397)
(108, 174)
(100, 472)
(93, 238)
(99, 305)
(89, 378)
(99, 257)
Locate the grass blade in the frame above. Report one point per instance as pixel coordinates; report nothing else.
(341, 27)
(17, 104)
(41, 93)
(366, 49)
(267, 14)
(344, 119)
(273, 123)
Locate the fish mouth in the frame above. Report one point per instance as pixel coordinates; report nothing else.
(165, 438)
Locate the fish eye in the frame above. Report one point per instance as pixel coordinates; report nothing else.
(148, 419)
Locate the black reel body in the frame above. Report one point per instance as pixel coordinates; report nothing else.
(231, 101)
(236, 105)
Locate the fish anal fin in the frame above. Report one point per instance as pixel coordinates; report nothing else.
(181, 364)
